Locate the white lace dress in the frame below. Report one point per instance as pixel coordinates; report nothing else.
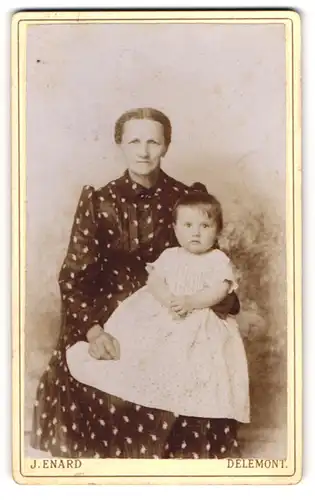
(195, 366)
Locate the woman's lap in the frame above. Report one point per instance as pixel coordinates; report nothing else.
(72, 419)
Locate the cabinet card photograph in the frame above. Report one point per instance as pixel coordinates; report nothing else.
(156, 223)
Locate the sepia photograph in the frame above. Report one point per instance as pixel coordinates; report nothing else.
(157, 190)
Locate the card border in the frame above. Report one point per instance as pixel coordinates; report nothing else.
(291, 20)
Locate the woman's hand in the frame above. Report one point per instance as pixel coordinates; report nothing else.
(102, 344)
(181, 306)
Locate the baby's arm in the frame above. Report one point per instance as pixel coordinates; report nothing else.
(201, 300)
(209, 297)
(159, 289)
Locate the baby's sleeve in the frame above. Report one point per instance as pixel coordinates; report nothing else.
(221, 270)
(163, 263)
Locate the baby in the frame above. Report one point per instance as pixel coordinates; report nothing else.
(176, 354)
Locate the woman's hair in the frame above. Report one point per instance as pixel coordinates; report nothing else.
(144, 114)
(200, 198)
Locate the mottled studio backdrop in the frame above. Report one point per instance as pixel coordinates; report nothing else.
(223, 87)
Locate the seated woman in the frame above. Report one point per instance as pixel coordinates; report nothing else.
(117, 231)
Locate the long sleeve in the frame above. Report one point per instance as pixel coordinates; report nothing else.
(80, 272)
(229, 305)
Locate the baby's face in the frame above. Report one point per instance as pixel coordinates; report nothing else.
(194, 230)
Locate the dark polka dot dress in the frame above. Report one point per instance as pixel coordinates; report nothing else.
(116, 231)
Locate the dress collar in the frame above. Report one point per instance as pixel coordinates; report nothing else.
(133, 190)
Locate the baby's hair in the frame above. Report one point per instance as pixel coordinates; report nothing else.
(199, 197)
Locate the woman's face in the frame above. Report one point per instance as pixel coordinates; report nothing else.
(143, 145)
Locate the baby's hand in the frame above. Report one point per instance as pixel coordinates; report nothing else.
(174, 315)
(181, 305)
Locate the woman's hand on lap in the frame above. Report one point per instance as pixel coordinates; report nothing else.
(102, 344)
